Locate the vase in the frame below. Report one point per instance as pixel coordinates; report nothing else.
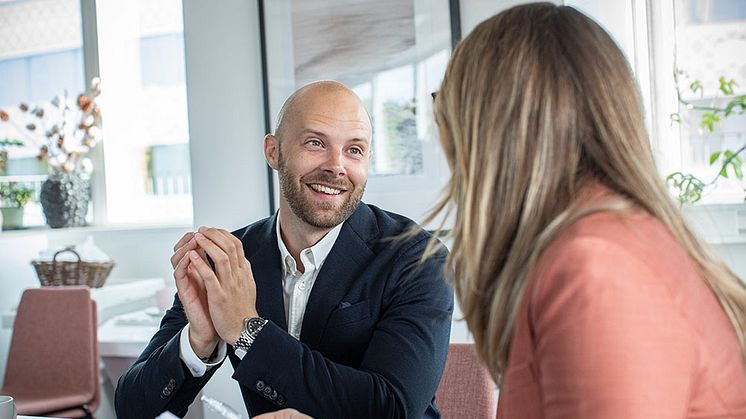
(64, 199)
(12, 217)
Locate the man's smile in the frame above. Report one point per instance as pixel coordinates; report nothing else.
(329, 190)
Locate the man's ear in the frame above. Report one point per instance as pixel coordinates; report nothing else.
(271, 150)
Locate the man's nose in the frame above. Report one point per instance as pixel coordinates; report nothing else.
(334, 163)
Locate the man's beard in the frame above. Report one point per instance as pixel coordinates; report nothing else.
(306, 209)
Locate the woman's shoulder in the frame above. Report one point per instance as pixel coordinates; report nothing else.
(630, 228)
(624, 276)
(625, 251)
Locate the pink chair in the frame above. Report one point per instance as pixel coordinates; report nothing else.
(466, 389)
(52, 365)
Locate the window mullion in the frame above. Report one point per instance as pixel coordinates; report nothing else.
(91, 70)
(665, 135)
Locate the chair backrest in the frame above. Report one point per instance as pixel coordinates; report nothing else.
(55, 346)
(466, 389)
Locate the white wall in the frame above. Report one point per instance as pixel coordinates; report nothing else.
(226, 114)
(226, 128)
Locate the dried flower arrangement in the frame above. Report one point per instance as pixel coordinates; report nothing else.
(65, 131)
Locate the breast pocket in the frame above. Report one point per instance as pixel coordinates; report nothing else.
(348, 333)
(350, 314)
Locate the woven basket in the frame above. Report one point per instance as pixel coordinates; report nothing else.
(53, 273)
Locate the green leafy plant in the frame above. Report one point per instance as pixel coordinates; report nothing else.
(14, 195)
(10, 142)
(689, 187)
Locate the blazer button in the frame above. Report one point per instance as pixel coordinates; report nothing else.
(260, 385)
(267, 391)
(280, 399)
(273, 397)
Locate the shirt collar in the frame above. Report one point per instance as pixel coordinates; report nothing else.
(313, 256)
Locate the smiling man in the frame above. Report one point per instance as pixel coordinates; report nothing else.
(322, 307)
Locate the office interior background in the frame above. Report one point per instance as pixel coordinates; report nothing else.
(189, 88)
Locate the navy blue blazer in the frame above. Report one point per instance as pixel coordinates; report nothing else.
(373, 342)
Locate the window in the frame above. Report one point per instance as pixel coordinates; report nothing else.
(393, 54)
(705, 39)
(711, 11)
(709, 44)
(143, 164)
(40, 57)
(146, 135)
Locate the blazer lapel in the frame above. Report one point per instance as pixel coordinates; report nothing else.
(265, 264)
(349, 255)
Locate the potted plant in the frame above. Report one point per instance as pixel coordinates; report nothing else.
(13, 198)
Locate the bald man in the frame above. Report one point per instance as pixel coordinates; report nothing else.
(321, 307)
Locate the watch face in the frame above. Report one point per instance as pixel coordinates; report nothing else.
(254, 324)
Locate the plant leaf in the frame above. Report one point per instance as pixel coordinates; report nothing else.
(714, 157)
(736, 162)
(696, 86)
(689, 188)
(726, 86)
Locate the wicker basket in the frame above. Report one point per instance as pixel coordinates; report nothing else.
(52, 273)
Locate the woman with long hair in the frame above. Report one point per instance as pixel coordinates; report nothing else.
(585, 291)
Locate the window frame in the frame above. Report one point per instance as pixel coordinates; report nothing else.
(89, 27)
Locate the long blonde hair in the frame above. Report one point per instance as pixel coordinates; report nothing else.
(536, 100)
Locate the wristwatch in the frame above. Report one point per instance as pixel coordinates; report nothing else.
(251, 328)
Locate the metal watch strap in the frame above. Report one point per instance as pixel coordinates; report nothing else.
(251, 328)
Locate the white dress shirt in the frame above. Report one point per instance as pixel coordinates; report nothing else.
(296, 288)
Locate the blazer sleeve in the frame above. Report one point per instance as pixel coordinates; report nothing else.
(610, 340)
(159, 381)
(401, 367)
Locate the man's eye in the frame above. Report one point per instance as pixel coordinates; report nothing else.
(355, 150)
(315, 143)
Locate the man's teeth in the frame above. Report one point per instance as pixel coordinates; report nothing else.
(325, 189)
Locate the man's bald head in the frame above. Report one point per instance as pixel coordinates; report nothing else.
(321, 151)
(302, 99)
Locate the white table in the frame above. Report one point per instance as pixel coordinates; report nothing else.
(114, 298)
(122, 338)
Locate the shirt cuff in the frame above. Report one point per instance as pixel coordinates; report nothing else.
(196, 366)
